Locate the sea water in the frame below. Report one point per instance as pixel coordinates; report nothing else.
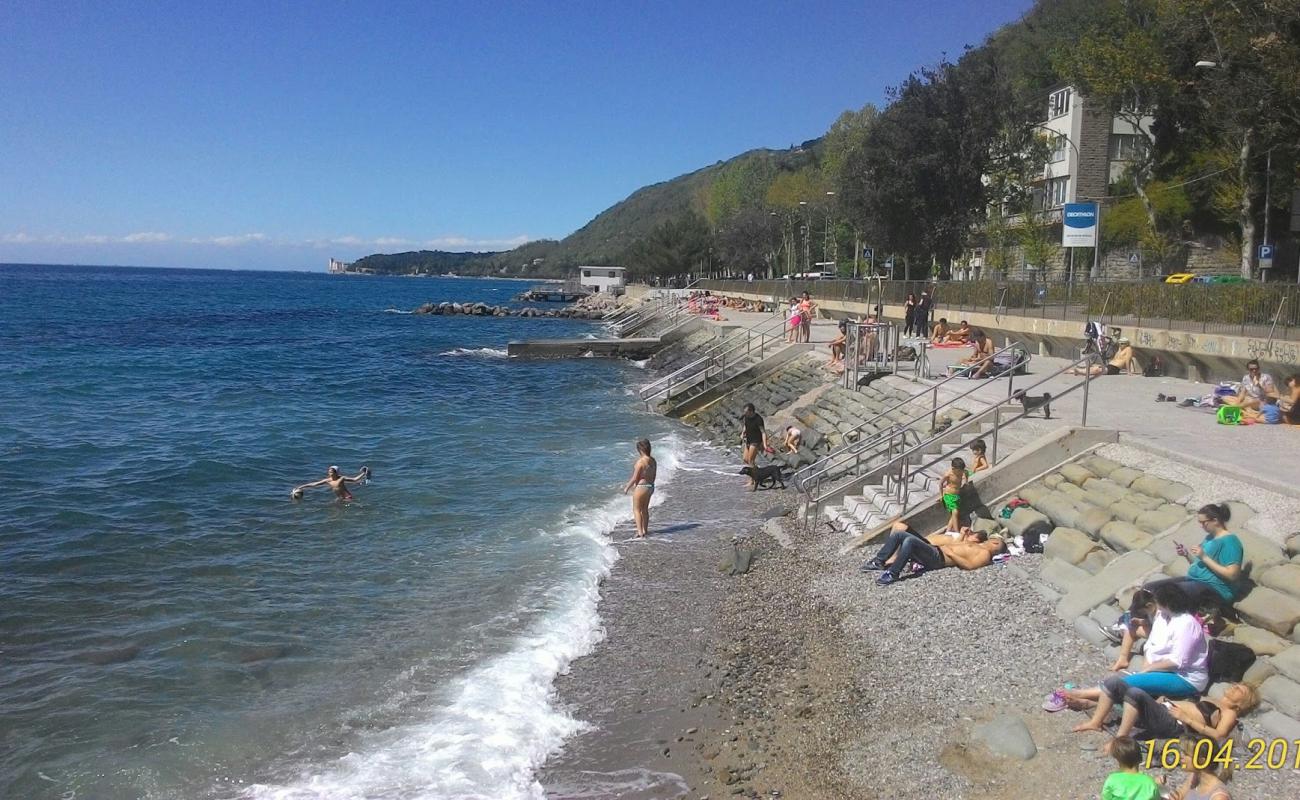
(172, 625)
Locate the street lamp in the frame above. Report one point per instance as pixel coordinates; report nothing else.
(826, 237)
(807, 230)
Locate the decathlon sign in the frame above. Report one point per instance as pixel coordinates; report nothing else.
(1080, 228)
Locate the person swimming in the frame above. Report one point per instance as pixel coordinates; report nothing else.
(337, 482)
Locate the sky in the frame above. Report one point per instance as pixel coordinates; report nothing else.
(275, 135)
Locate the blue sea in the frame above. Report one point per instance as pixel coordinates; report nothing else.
(173, 625)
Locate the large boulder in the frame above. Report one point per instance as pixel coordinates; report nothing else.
(1122, 509)
(1097, 560)
(1007, 736)
(1023, 518)
(1034, 493)
(1270, 609)
(1059, 509)
(1259, 672)
(1069, 545)
(1062, 574)
(1106, 491)
(1293, 545)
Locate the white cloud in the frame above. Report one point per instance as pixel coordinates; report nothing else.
(146, 236)
(235, 241)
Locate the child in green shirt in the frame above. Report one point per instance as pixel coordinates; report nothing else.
(1128, 783)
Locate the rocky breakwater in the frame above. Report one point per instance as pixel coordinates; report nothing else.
(486, 310)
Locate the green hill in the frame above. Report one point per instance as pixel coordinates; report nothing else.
(607, 237)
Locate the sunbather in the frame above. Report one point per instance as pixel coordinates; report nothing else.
(965, 549)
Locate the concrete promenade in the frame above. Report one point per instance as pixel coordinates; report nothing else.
(1262, 454)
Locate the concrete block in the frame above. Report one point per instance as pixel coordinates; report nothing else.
(1087, 628)
(1142, 501)
(1241, 513)
(1126, 570)
(1101, 487)
(1162, 547)
(1264, 643)
(1259, 672)
(1092, 521)
(1160, 520)
(1022, 518)
(1059, 509)
(1069, 545)
(1047, 593)
(1124, 476)
(1100, 465)
(1284, 577)
(1293, 545)
(1270, 609)
(1172, 491)
(1125, 510)
(1177, 568)
(1105, 615)
(1061, 575)
(1053, 480)
(1076, 474)
(1280, 726)
(1283, 693)
(983, 525)
(1260, 553)
(1033, 493)
(1123, 536)
(1097, 560)
(1287, 662)
(1077, 492)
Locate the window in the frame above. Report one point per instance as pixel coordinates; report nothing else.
(1058, 104)
(1126, 146)
(613, 274)
(1059, 144)
(1057, 192)
(586, 273)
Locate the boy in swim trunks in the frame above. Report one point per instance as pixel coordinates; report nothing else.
(338, 483)
(950, 499)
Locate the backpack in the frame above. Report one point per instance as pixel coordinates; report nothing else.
(1228, 661)
(1155, 368)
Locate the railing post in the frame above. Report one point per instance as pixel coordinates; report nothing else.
(997, 424)
(1087, 384)
(934, 406)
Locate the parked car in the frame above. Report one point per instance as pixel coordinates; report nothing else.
(1180, 277)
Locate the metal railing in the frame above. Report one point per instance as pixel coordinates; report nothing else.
(1247, 309)
(810, 478)
(901, 484)
(734, 348)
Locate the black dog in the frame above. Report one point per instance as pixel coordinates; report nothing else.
(1030, 403)
(767, 477)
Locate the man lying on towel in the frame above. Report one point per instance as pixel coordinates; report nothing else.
(965, 549)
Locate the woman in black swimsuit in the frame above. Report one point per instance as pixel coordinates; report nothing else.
(752, 436)
(1147, 718)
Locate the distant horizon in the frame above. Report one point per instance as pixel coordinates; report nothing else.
(273, 137)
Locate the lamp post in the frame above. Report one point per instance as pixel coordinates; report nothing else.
(807, 231)
(826, 238)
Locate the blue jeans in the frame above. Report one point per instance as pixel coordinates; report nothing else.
(1156, 684)
(909, 546)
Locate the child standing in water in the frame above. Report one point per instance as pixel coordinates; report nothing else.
(953, 480)
(642, 486)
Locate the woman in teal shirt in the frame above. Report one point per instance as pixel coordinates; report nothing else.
(1215, 562)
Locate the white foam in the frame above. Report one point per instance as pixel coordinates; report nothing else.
(397, 311)
(500, 723)
(481, 352)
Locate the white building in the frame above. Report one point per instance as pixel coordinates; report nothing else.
(339, 267)
(603, 279)
(1091, 148)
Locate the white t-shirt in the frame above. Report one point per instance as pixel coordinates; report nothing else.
(1257, 390)
(1181, 640)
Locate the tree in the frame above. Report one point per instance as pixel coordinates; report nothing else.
(676, 247)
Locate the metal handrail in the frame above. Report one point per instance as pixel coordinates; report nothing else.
(721, 348)
(901, 483)
(812, 470)
(645, 315)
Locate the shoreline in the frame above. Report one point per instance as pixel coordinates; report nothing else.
(804, 679)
